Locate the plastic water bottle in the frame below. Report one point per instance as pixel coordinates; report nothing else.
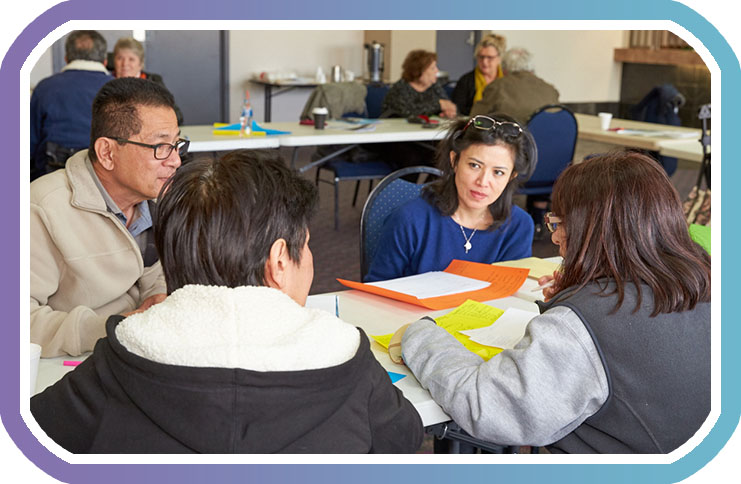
(245, 118)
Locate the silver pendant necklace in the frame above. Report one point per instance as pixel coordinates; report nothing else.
(467, 245)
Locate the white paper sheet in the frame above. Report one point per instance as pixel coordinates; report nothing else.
(432, 284)
(505, 332)
(327, 302)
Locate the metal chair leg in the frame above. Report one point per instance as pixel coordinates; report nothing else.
(355, 196)
(336, 204)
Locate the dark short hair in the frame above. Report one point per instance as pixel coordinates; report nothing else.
(217, 220)
(415, 64)
(443, 194)
(85, 45)
(623, 220)
(115, 108)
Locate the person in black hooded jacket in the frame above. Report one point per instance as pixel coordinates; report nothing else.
(231, 361)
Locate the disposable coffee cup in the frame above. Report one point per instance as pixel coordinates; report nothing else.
(320, 117)
(34, 366)
(604, 119)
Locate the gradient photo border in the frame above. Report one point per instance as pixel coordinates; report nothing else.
(331, 10)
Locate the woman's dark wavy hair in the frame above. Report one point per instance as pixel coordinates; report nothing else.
(217, 220)
(443, 194)
(624, 221)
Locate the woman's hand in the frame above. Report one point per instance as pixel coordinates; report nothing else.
(550, 291)
(447, 109)
(395, 345)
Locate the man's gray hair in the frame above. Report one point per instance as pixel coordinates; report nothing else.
(85, 45)
(517, 59)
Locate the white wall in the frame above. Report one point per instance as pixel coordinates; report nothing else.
(42, 69)
(405, 41)
(252, 52)
(578, 63)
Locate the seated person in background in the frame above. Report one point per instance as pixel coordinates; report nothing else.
(417, 92)
(60, 104)
(468, 213)
(231, 361)
(92, 248)
(128, 60)
(470, 86)
(520, 93)
(621, 351)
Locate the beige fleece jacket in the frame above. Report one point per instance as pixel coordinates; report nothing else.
(85, 266)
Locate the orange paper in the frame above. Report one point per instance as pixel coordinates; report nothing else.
(505, 281)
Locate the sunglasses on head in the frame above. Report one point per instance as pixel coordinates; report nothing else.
(506, 128)
(551, 221)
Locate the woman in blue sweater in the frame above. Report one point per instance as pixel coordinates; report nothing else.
(468, 213)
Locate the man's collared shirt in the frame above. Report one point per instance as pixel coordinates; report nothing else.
(139, 228)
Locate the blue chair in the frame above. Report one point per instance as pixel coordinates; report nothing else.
(390, 193)
(344, 170)
(555, 130)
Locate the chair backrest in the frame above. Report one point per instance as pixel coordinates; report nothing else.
(374, 99)
(555, 131)
(389, 194)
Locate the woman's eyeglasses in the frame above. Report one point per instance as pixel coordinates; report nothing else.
(551, 221)
(506, 128)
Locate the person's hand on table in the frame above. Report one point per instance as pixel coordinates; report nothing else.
(147, 303)
(448, 109)
(395, 345)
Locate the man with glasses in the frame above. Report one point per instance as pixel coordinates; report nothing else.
(92, 247)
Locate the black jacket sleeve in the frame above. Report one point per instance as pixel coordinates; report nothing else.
(465, 90)
(69, 411)
(395, 424)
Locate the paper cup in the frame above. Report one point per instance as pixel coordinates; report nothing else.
(604, 119)
(35, 353)
(320, 117)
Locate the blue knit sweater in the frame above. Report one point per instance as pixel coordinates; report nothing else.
(417, 238)
(61, 110)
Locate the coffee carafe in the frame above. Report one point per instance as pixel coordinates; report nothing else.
(374, 61)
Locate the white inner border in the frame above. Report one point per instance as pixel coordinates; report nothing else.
(495, 25)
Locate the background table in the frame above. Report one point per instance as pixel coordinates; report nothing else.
(202, 138)
(281, 86)
(684, 148)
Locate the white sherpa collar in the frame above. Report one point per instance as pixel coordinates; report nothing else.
(254, 328)
(85, 65)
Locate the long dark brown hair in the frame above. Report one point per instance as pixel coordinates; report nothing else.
(443, 194)
(623, 220)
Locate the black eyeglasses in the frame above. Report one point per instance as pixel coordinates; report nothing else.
(551, 221)
(162, 151)
(506, 128)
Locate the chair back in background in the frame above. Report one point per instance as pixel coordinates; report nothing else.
(374, 99)
(389, 194)
(555, 131)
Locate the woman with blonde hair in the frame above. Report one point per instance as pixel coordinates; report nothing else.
(128, 61)
(470, 86)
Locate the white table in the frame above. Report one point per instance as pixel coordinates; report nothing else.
(202, 139)
(684, 148)
(377, 316)
(336, 133)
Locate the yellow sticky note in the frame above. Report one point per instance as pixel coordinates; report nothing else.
(383, 340)
(471, 315)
